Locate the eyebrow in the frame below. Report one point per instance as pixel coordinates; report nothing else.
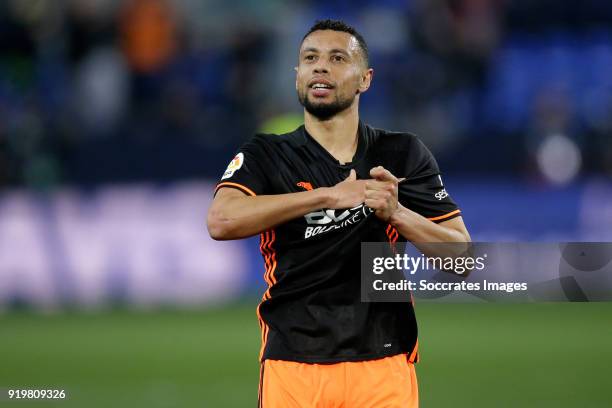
(332, 51)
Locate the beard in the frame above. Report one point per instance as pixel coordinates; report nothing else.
(324, 110)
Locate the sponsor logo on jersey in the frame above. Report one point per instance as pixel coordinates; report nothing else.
(305, 185)
(442, 194)
(234, 165)
(326, 220)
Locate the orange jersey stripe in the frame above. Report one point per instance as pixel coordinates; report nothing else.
(262, 245)
(269, 254)
(392, 234)
(266, 255)
(442, 217)
(415, 350)
(273, 258)
(235, 185)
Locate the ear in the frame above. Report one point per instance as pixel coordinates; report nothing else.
(366, 80)
(296, 82)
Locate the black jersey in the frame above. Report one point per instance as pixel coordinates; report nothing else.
(312, 310)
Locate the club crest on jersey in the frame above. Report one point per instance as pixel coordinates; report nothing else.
(234, 165)
(305, 185)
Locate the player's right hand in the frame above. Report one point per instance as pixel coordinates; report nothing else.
(348, 193)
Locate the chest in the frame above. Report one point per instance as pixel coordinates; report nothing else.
(307, 171)
(302, 170)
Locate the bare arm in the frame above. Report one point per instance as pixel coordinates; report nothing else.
(427, 235)
(382, 196)
(416, 228)
(235, 215)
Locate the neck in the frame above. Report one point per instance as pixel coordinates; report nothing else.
(338, 134)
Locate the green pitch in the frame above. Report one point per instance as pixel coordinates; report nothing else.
(472, 355)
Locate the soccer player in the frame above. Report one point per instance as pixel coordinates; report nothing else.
(314, 195)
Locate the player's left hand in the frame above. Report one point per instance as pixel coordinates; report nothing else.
(381, 192)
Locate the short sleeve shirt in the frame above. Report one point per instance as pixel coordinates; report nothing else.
(312, 309)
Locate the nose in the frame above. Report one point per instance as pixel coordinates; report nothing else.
(320, 67)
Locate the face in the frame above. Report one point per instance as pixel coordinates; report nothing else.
(331, 73)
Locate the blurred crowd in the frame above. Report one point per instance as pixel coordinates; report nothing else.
(103, 91)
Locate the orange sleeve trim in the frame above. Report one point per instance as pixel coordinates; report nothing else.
(445, 216)
(244, 189)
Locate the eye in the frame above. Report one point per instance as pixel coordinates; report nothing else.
(309, 57)
(338, 58)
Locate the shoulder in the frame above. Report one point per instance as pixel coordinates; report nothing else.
(272, 139)
(267, 145)
(404, 151)
(405, 142)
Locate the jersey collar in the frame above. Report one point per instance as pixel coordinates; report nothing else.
(362, 143)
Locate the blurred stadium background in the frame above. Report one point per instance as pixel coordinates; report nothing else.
(117, 117)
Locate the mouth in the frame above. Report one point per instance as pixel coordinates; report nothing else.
(320, 88)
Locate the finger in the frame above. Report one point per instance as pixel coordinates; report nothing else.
(385, 189)
(375, 171)
(372, 203)
(380, 195)
(382, 174)
(373, 195)
(352, 175)
(374, 184)
(385, 175)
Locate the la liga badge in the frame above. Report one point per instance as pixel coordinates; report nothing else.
(234, 165)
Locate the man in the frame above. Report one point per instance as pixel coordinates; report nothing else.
(314, 195)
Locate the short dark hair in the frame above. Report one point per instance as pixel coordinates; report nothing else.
(339, 25)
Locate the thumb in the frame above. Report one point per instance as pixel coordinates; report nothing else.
(382, 174)
(352, 176)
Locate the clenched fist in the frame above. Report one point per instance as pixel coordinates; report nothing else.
(381, 192)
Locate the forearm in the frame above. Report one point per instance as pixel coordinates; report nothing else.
(423, 232)
(240, 216)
